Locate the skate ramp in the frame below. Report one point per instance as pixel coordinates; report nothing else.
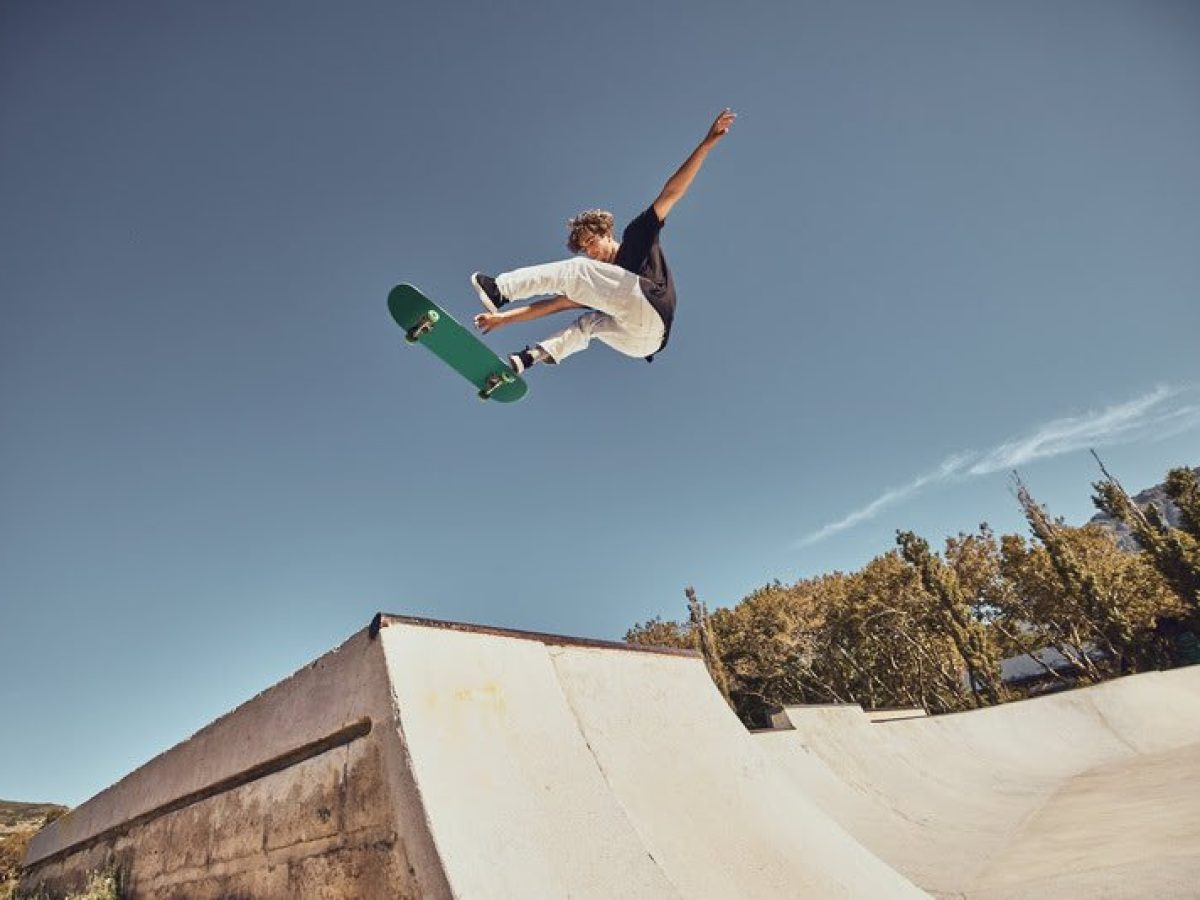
(424, 759)
(1093, 792)
(431, 760)
(596, 771)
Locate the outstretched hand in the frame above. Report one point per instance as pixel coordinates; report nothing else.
(721, 126)
(487, 322)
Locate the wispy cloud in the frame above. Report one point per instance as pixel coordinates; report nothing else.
(947, 470)
(1162, 413)
(1157, 414)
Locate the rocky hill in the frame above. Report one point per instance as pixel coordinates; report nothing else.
(23, 816)
(18, 823)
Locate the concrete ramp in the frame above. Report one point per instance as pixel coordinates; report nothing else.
(427, 759)
(713, 811)
(1088, 793)
(424, 759)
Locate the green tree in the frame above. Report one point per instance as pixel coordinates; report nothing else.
(771, 648)
(1039, 611)
(1183, 487)
(659, 633)
(709, 644)
(1174, 552)
(1110, 626)
(913, 659)
(959, 620)
(978, 562)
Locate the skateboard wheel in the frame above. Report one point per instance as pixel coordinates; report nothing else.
(495, 381)
(423, 327)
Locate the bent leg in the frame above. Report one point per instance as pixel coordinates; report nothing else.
(599, 285)
(605, 328)
(574, 337)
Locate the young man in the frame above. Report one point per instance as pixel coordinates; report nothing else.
(626, 287)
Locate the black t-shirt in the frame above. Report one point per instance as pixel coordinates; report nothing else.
(641, 254)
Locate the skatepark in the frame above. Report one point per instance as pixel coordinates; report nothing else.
(430, 759)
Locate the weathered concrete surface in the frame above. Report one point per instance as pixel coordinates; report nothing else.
(1090, 793)
(711, 809)
(566, 771)
(430, 760)
(293, 794)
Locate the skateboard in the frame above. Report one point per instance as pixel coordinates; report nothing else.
(426, 323)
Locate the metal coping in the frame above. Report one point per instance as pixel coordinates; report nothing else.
(383, 620)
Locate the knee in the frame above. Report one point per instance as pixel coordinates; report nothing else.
(589, 322)
(576, 268)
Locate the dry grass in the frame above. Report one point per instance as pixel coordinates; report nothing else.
(102, 885)
(19, 822)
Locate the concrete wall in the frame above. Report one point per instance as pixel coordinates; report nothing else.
(297, 793)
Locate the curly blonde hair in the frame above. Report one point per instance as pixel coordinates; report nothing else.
(588, 224)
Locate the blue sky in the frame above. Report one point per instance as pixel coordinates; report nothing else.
(942, 239)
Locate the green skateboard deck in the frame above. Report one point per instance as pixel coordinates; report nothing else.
(426, 323)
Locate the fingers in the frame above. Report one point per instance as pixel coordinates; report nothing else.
(723, 122)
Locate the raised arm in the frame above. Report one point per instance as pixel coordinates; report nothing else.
(678, 184)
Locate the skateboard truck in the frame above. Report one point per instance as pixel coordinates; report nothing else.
(423, 327)
(494, 382)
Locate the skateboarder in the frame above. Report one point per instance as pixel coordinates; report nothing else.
(626, 287)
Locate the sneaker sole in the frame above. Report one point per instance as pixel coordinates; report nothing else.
(483, 297)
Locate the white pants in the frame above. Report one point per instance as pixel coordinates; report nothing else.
(622, 318)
